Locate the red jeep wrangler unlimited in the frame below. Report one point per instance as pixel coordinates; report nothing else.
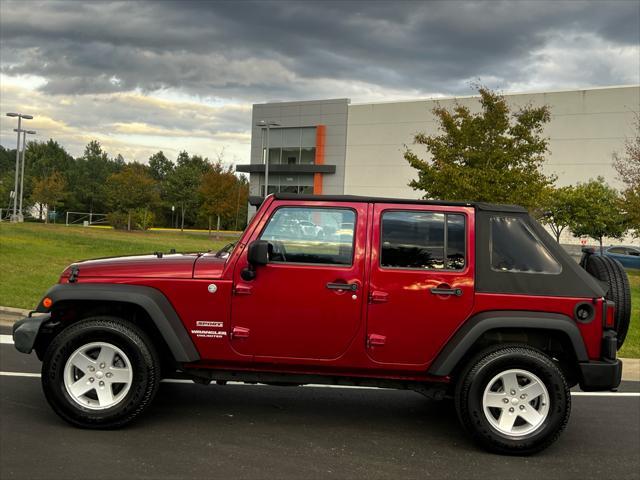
(470, 301)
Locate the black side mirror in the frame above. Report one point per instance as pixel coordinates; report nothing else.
(258, 252)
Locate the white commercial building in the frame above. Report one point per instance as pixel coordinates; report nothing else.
(335, 147)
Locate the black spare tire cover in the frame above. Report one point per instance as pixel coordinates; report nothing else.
(612, 272)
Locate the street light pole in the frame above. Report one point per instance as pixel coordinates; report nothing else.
(24, 151)
(266, 166)
(14, 217)
(268, 125)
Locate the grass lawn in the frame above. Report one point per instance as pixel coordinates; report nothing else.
(631, 347)
(32, 255)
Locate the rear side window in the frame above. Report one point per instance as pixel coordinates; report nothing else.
(422, 240)
(514, 247)
(311, 235)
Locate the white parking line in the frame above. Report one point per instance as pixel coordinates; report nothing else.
(6, 339)
(19, 374)
(314, 385)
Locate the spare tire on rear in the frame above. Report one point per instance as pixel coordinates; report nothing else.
(612, 272)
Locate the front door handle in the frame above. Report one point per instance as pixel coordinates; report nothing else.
(447, 291)
(342, 286)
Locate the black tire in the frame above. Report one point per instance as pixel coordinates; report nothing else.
(135, 344)
(612, 272)
(476, 377)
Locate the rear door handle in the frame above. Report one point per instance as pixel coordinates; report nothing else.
(447, 291)
(342, 286)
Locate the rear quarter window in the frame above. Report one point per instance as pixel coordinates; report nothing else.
(514, 247)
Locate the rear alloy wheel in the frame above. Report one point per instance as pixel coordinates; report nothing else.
(513, 400)
(101, 372)
(516, 402)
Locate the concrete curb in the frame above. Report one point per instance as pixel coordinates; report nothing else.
(18, 312)
(630, 370)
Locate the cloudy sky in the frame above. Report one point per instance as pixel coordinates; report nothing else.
(145, 76)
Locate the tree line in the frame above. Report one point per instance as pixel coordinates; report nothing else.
(497, 155)
(190, 192)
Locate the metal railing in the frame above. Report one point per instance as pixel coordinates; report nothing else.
(88, 217)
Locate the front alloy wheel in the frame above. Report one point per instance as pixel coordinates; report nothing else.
(101, 372)
(98, 375)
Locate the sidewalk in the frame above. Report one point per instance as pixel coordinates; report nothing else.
(630, 370)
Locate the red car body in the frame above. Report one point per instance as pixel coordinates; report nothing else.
(470, 301)
(287, 321)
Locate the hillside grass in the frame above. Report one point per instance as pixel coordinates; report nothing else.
(32, 255)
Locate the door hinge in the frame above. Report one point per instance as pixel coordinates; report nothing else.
(242, 290)
(375, 340)
(377, 296)
(240, 332)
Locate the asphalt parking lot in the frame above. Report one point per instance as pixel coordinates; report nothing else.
(239, 431)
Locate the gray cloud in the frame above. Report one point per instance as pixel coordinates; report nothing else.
(256, 51)
(141, 76)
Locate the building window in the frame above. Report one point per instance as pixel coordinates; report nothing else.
(291, 146)
(288, 184)
(311, 235)
(422, 240)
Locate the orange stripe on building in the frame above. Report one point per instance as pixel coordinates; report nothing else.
(321, 134)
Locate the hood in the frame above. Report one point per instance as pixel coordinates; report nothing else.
(139, 266)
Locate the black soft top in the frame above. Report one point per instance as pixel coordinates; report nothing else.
(570, 281)
(493, 207)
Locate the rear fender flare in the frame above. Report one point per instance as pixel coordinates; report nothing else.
(466, 336)
(151, 300)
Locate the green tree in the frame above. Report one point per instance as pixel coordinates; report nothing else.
(49, 191)
(7, 177)
(43, 159)
(242, 199)
(183, 184)
(90, 177)
(559, 206)
(131, 190)
(494, 155)
(7, 159)
(597, 211)
(628, 168)
(218, 193)
(160, 166)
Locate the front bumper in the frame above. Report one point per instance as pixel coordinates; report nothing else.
(26, 330)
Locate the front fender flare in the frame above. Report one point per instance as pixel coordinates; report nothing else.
(476, 326)
(157, 306)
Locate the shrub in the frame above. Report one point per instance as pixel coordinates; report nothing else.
(118, 220)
